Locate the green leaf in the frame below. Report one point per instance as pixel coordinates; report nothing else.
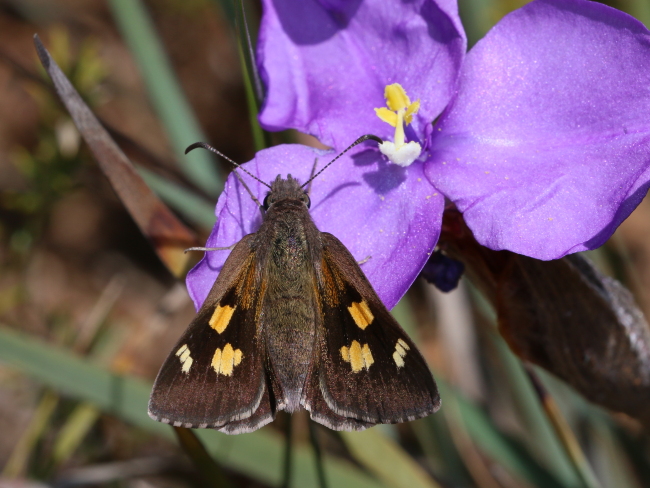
(75, 429)
(213, 475)
(191, 206)
(542, 439)
(18, 462)
(258, 455)
(500, 448)
(166, 93)
(387, 460)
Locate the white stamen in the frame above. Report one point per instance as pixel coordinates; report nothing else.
(402, 156)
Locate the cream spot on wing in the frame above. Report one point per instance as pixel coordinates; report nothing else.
(225, 360)
(221, 317)
(361, 314)
(400, 352)
(367, 356)
(186, 360)
(187, 365)
(398, 359)
(216, 360)
(345, 354)
(238, 356)
(359, 357)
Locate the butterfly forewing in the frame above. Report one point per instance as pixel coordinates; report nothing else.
(369, 370)
(215, 376)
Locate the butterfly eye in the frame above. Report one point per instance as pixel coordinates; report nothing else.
(266, 204)
(307, 201)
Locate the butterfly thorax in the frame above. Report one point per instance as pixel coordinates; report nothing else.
(289, 309)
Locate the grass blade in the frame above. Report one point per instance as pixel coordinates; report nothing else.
(546, 445)
(259, 455)
(18, 461)
(503, 450)
(77, 426)
(211, 472)
(564, 433)
(166, 94)
(387, 460)
(186, 203)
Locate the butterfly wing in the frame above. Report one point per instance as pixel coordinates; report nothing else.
(368, 371)
(214, 377)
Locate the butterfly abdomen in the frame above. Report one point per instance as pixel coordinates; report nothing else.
(289, 309)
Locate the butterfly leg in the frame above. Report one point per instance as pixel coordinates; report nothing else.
(364, 260)
(209, 248)
(241, 180)
(311, 176)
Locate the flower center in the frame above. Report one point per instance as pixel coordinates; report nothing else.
(399, 113)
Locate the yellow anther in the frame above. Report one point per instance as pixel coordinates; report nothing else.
(411, 110)
(396, 97)
(387, 116)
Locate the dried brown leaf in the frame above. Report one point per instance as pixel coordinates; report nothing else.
(566, 317)
(168, 235)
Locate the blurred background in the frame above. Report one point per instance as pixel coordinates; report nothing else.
(88, 312)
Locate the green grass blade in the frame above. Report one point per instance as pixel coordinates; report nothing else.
(261, 138)
(247, 42)
(193, 207)
(387, 460)
(258, 455)
(212, 474)
(73, 432)
(503, 450)
(564, 433)
(542, 437)
(17, 465)
(166, 93)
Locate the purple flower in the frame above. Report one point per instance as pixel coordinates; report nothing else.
(541, 135)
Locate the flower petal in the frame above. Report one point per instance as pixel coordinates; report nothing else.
(377, 210)
(326, 64)
(546, 149)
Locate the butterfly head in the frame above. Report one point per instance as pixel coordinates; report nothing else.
(286, 192)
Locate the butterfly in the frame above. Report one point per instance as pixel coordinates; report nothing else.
(292, 322)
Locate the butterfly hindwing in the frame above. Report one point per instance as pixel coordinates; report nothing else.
(214, 376)
(368, 370)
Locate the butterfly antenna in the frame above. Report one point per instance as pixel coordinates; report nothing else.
(358, 141)
(207, 146)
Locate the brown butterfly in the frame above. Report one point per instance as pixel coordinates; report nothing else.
(292, 322)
